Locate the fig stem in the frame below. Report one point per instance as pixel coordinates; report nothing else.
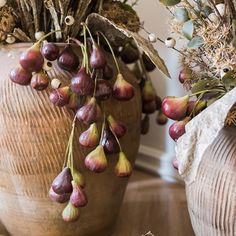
(117, 140)
(95, 86)
(90, 34)
(198, 100)
(205, 91)
(85, 48)
(112, 52)
(46, 35)
(103, 128)
(69, 150)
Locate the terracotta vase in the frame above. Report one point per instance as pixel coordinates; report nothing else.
(212, 196)
(33, 138)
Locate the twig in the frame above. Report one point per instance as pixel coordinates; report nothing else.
(21, 35)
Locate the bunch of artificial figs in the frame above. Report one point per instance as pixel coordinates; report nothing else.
(92, 83)
(182, 109)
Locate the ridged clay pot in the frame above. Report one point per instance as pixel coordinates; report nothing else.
(33, 139)
(207, 162)
(212, 197)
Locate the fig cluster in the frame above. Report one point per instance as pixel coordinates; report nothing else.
(92, 81)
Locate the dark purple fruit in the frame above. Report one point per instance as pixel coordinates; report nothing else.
(103, 90)
(50, 51)
(78, 197)
(39, 81)
(108, 72)
(149, 65)
(109, 142)
(82, 83)
(59, 198)
(90, 112)
(97, 57)
(32, 60)
(122, 90)
(129, 54)
(62, 183)
(67, 59)
(177, 129)
(20, 76)
(145, 125)
(149, 107)
(60, 97)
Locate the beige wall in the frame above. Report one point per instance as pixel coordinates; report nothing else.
(155, 17)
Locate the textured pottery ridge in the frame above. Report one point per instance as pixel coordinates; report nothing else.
(200, 133)
(212, 196)
(33, 140)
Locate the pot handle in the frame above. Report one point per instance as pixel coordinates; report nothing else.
(200, 133)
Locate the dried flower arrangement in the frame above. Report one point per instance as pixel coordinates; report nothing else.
(208, 57)
(93, 27)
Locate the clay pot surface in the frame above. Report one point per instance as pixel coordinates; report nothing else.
(212, 196)
(33, 139)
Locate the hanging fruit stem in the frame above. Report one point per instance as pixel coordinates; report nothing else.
(103, 127)
(112, 52)
(69, 162)
(117, 140)
(206, 91)
(198, 100)
(85, 49)
(95, 86)
(45, 36)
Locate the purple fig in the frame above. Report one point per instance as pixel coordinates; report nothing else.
(59, 198)
(123, 167)
(149, 65)
(90, 112)
(78, 178)
(148, 92)
(97, 57)
(109, 142)
(145, 125)
(32, 60)
(73, 103)
(62, 183)
(116, 126)
(122, 90)
(90, 137)
(67, 59)
(108, 72)
(175, 108)
(20, 76)
(70, 213)
(161, 119)
(82, 83)
(129, 54)
(78, 197)
(60, 97)
(185, 75)
(96, 160)
(177, 129)
(39, 81)
(50, 51)
(149, 107)
(103, 90)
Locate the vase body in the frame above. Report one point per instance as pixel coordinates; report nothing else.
(33, 139)
(212, 195)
